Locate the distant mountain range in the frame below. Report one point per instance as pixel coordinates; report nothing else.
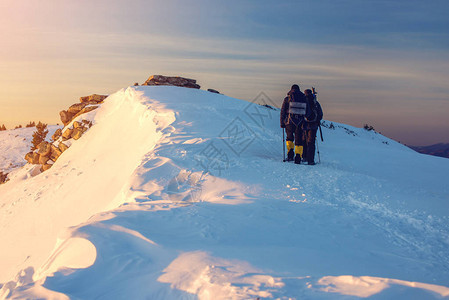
(440, 149)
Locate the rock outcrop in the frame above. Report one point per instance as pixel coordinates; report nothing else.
(45, 167)
(55, 153)
(57, 134)
(3, 177)
(67, 134)
(66, 117)
(44, 149)
(43, 159)
(173, 81)
(93, 98)
(213, 91)
(76, 108)
(47, 153)
(87, 103)
(62, 147)
(32, 158)
(77, 133)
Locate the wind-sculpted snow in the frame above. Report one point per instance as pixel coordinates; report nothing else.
(85, 180)
(200, 274)
(366, 286)
(191, 199)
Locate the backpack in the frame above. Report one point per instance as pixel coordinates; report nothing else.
(316, 112)
(296, 109)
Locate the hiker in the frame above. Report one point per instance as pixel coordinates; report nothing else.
(310, 126)
(294, 109)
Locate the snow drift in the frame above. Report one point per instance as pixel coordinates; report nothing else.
(177, 193)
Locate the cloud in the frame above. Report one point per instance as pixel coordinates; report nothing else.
(360, 55)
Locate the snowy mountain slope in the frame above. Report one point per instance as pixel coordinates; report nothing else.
(203, 207)
(15, 143)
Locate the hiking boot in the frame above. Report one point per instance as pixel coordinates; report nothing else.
(297, 159)
(290, 155)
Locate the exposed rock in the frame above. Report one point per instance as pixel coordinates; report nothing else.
(86, 110)
(32, 158)
(57, 134)
(45, 167)
(136, 84)
(76, 108)
(55, 153)
(43, 159)
(3, 177)
(77, 133)
(67, 134)
(66, 117)
(48, 153)
(213, 91)
(93, 97)
(63, 147)
(173, 81)
(44, 149)
(87, 123)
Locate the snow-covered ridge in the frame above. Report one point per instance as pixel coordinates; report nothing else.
(177, 192)
(84, 181)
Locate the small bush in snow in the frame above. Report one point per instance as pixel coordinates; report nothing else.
(3, 177)
(368, 127)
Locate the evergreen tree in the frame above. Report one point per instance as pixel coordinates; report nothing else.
(2, 127)
(31, 124)
(39, 135)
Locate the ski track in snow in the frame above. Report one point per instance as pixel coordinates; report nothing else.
(345, 228)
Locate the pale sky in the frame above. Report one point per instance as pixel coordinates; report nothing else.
(385, 63)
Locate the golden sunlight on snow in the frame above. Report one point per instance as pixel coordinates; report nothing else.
(366, 286)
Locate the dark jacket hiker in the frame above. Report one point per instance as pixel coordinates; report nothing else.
(310, 126)
(312, 121)
(293, 112)
(294, 107)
